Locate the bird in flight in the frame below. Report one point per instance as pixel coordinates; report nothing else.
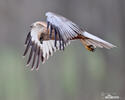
(56, 33)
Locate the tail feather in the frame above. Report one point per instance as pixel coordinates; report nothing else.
(96, 41)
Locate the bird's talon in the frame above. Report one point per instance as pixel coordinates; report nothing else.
(90, 48)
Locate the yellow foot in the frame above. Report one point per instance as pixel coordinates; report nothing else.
(90, 48)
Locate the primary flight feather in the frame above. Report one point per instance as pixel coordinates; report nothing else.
(57, 32)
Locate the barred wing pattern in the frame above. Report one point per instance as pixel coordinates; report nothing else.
(39, 50)
(65, 28)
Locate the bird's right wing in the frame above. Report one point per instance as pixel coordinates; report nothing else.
(63, 27)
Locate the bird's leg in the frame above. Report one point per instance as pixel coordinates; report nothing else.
(88, 47)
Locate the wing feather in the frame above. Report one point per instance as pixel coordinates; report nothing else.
(67, 28)
(38, 49)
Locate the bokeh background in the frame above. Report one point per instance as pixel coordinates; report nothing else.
(74, 74)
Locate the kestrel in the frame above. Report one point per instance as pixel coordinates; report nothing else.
(56, 33)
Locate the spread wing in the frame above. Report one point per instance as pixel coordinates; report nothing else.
(38, 50)
(63, 27)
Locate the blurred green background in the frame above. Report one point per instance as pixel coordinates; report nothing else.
(74, 74)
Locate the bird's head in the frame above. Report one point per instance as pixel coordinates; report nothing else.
(39, 30)
(39, 25)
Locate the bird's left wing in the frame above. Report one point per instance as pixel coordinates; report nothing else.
(38, 50)
(65, 28)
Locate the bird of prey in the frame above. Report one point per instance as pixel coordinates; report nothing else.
(54, 34)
